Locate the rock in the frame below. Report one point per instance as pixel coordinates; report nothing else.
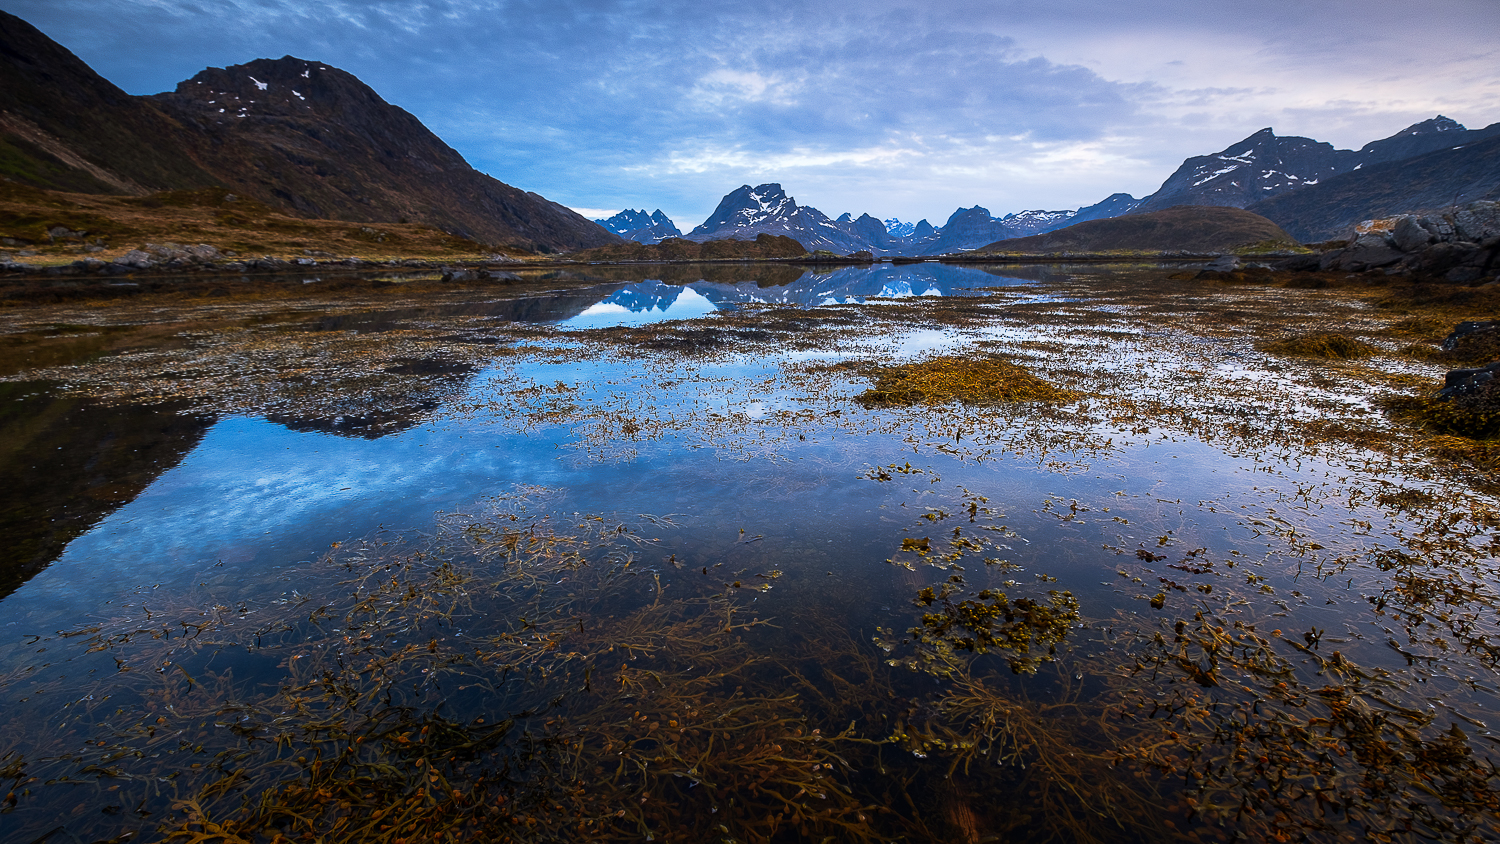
(1369, 251)
(1224, 264)
(1409, 235)
(137, 259)
(1298, 263)
(1441, 257)
(1478, 221)
(1465, 329)
(1468, 382)
(203, 252)
(1464, 275)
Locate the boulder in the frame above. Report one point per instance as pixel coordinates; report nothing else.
(1409, 234)
(136, 259)
(1298, 263)
(1477, 221)
(1469, 382)
(1368, 252)
(1467, 329)
(1223, 264)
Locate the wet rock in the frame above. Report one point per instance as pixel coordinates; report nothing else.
(1298, 263)
(1465, 330)
(1459, 383)
(1224, 264)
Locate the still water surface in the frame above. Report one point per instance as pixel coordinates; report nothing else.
(752, 479)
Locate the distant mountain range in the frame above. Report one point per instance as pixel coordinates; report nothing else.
(1309, 188)
(297, 135)
(640, 226)
(1398, 174)
(766, 209)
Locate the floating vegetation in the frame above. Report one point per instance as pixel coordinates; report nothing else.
(1327, 345)
(974, 381)
(1026, 630)
(499, 680)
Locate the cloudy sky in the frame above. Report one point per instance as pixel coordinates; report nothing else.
(882, 106)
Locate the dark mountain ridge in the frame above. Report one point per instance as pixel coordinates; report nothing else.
(1422, 184)
(298, 135)
(1265, 166)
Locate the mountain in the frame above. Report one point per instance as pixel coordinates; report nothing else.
(640, 226)
(297, 135)
(1422, 184)
(766, 209)
(896, 228)
(1191, 228)
(1260, 166)
(64, 127)
(1115, 205)
(1265, 166)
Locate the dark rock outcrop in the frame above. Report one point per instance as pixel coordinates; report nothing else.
(1461, 246)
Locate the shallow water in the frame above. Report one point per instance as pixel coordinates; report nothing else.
(741, 476)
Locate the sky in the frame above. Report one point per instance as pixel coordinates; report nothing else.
(892, 108)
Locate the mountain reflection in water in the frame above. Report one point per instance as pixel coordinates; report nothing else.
(656, 301)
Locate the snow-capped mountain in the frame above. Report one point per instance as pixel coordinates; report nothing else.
(766, 209)
(896, 228)
(640, 226)
(1264, 165)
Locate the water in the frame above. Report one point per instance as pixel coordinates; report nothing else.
(614, 469)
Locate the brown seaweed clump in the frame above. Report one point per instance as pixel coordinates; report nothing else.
(976, 381)
(1325, 345)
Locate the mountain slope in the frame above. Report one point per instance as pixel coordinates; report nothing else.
(1264, 166)
(297, 135)
(65, 127)
(315, 139)
(1192, 228)
(1257, 167)
(1425, 183)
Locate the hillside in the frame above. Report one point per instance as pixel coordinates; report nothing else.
(299, 136)
(1186, 228)
(1426, 183)
(678, 249)
(63, 126)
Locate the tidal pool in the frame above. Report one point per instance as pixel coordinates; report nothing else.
(625, 554)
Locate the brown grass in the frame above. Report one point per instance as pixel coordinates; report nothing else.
(205, 216)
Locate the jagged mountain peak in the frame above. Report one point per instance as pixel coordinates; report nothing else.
(640, 226)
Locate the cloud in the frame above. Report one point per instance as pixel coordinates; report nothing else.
(911, 109)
